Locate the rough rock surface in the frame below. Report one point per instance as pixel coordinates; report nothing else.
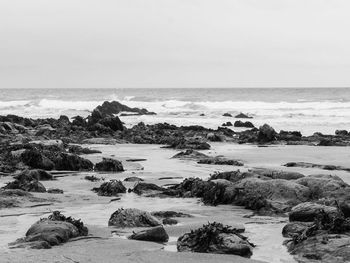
(215, 238)
(132, 217)
(111, 188)
(154, 234)
(109, 165)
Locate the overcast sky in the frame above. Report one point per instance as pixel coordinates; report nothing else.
(174, 43)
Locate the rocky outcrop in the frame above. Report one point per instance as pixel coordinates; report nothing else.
(190, 154)
(147, 188)
(115, 107)
(72, 162)
(226, 114)
(215, 238)
(109, 165)
(29, 181)
(242, 116)
(276, 174)
(318, 166)
(111, 188)
(35, 159)
(51, 231)
(242, 124)
(132, 218)
(155, 234)
(266, 134)
(308, 212)
(220, 161)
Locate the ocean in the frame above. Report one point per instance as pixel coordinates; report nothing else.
(303, 109)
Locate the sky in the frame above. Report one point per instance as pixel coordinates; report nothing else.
(174, 43)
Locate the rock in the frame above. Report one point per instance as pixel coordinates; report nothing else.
(322, 185)
(80, 150)
(27, 181)
(92, 178)
(319, 166)
(246, 124)
(106, 141)
(232, 176)
(220, 161)
(341, 132)
(147, 188)
(276, 174)
(29, 175)
(294, 229)
(13, 197)
(243, 116)
(169, 221)
(58, 143)
(226, 114)
(190, 154)
(266, 134)
(227, 124)
(132, 217)
(109, 165)
(213, 137)
(52, 231)
(289, 136)
(111, 188)
(307, 212)
(114, 107)
(55, 191)
(36, 160)
(79, 121)
(155, 234)
(168, 214)
(215, 238)
(72, 162)
(133, 179)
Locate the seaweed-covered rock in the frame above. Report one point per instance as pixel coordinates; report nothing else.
(72, 162)
(147, 188)
(133, 179)
(132, 217)
(276, 174)
(109, 165)
(169, 221)
(111, 188)
(154, 234)
(35, 159)
(29, 175)
(28, 181)
(167, 214)
(220, 161)
(190, 154)
(51, 231)
(246, 124)
(215, 238)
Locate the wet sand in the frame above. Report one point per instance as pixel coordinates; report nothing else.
(80, 202)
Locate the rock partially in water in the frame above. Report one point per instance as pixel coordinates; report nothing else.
(51, 231)
(190, 154)
(80, 150)
(308, 212)
(115, 107)
(169, 221)
(215, 238)
(276, 174)
(168, 214)
(154, 234)
(220, 161)
(133, 179)
(147, 188)
(227, 124)
(242, 116)
(92, 178)
(35, 159)
(246, 124)
(294, 229)
(226, 114)
(28, 181)
(55, 191)
(132, 217)
(109, 165)
(72, 162)
(318, 166)
(111, 188)
(36, 174)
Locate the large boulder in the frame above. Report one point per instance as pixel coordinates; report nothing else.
(294, 229)
(246, 124)
(111, 188)
(276, 174)
(72, 162)
(308, 212)
(215, 238)
(51, 231)
(109, 165)
(35, 159)
(132, 217)
(147, 188)
(115, 107)
(28, 181)
(36, 174)
(155, 234)
(266, 134)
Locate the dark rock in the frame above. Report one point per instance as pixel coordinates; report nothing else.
(318, 166)
(220, 161)
(155, 234)
(27, 181)
(246, 124)
(276, 174)
(341, 132)
(79, 121)
(213, 137)
(289, 136)
(37, 160)
(266, 134)
(294, 229)
(92, 178)
(29, 175)
(51, 231)
(133, 179)
(168, 214)
(169, 221)
(72, 162)
(215, 238)
(190, 154)
(55, 191)
(308, 212)
(227, 124)
(111, 188)
(114, 107)
(132, 218)
(147, 188)
(243, 116)
(113, 123)
(80, 150)
(227, 114)
(109, 165)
